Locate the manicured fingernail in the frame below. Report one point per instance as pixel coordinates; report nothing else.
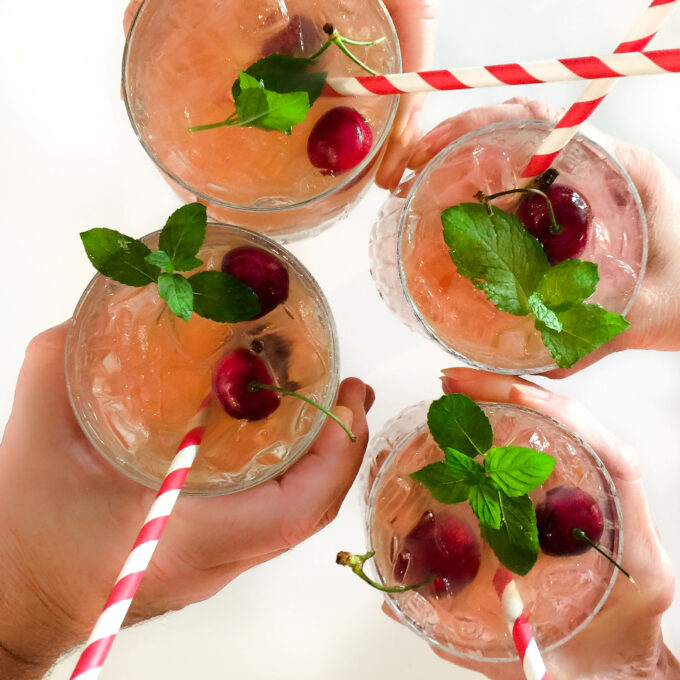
(397, 167)
(532, 392)
(455, 378)
(448, 385)
(369, 399)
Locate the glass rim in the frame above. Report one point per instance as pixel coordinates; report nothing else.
(134, 472)
(406, 211)
(370, 505)
(352, 175)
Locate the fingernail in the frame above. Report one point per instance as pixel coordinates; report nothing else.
(448, 385)
(369, 399)
(397, 168)
(531, 392)
(454, 378)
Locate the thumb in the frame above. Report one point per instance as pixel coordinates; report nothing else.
(416, 23)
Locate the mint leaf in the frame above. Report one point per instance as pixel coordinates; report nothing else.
(450, 482)
(159, 258)
(458, 463)
(457, 422)
(186, 263)
(119, 257)
(542, 313)
(496, 253)
(445, 485)
(284, 73)
(267, 110)
(177, 292)
(517, 470)
(516, 542)
(223, 298)
(485, 503)
(584, 328)
(568, 283)
(184, 232)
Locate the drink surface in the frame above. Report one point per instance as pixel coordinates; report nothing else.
(560, 594)
(183, 57)
(138, 375)
(452, 310)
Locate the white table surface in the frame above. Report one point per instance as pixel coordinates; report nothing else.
(69, 161)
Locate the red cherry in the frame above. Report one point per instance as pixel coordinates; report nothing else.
(572, 213)
(564, 509)
(339, 140)
(440, 546)
(233, 376)
(300, 36)
(260, 270)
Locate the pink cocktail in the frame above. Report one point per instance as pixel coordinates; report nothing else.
(414, 272)
(137, 375)
(561, 594)
(181, 59)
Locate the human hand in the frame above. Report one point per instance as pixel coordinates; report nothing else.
(624, 639)
(416, 24)
(655, 314)
(68, 518)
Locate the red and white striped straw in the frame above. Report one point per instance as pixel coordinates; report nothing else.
(522, 635)
(609, 67)
(111, 619)
(644, 29)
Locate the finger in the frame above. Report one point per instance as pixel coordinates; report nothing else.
(409, 122)
(416, 23)
(454, 128)
(389, 612)
(280, 513)
(130, 13)
(189, 586)
(323, 477)
(619, 458)
(41, 387)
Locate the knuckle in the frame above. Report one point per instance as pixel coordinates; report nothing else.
(295, 531)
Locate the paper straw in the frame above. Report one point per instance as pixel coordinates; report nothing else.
(609, 67)
(644, 29)
(522, 635)
(111, 619)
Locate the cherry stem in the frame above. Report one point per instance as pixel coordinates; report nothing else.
(546, 180)
(582, 536)
(555, 226)
(334, 38)
(356, 564)
(256, 385)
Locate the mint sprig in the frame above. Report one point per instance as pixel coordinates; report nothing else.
(277, 91)
(497, 489)
(509, 265)
(212, 294)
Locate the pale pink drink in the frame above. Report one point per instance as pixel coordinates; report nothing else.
(137, 375)
(413, 270)
(180, 61)
(561, 594)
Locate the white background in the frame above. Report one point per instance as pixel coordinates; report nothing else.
(69, 161)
